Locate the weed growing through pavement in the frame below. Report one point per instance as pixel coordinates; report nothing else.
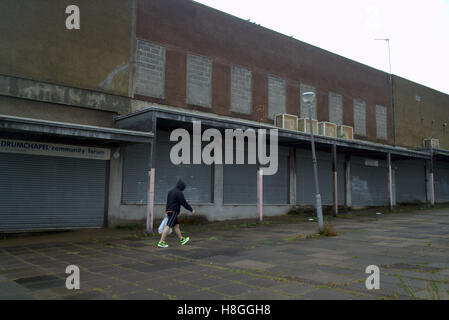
(328, 230)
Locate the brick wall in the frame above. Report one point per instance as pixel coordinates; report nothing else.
(421, 113)
(185, 27)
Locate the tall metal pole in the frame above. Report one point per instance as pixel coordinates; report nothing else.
(392, 90)
(315, 170)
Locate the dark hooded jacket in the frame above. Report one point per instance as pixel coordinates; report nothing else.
(175, 198)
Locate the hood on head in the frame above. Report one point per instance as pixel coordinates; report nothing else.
(180, 185)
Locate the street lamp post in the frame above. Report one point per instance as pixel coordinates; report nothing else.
(392, 89)
(389, 51)
(308, 98)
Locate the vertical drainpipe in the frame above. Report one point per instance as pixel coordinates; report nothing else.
(393, 109)
(132, 54)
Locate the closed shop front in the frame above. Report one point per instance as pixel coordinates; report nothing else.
(240, 181)
(275, 187)
(369, 182)
(410, 178)
(441, 171)
(198, 177)
(46, 186)
(305, 180)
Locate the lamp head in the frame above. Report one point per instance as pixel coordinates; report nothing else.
(308, 97)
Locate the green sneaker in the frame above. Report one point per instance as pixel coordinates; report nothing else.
(184, 240)
(162, 244)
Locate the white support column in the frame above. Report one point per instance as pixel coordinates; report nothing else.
(292, 180)
(218, 195)
(390, 182)
(348, 182)
(335, 180)
(432, 179)
(260, 194)
(150, 201)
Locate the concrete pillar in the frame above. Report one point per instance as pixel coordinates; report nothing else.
(115, 184)
(348, 182)
(393, 176)
(260, 194)
(390, 181)
(432, 180)
(151, 176)
(218, 195)
(427, 180)
(335, 180)
(292, 177)
(150, 200)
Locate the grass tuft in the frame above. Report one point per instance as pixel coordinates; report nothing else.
(328, 230)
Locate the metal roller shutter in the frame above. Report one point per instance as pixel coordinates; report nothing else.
(275, 187)
(198, 178)
(369, 184)
(240, 184)
(136, 163)
(43, 192)
(410, 178)
(240, 181)
(441, 172)
(305, 181)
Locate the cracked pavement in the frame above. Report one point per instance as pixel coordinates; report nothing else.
(238, 260)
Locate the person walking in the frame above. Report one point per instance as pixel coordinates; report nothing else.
(175, 199)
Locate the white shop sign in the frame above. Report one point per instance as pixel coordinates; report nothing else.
(371, 163)
(53, 149)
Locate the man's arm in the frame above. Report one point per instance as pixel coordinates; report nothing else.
(183, 202)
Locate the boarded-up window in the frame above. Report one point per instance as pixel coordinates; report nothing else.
(276, 96)
(359, 117)
(381, 122)
(335, 108)
(240, 90)
(199, 80)
(150, 69)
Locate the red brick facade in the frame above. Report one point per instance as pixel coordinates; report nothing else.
(183, 26)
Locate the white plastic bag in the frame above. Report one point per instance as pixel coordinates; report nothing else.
(162, 226)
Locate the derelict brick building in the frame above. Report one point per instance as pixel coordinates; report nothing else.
(124, 81)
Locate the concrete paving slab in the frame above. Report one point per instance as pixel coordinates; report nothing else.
(271, 265)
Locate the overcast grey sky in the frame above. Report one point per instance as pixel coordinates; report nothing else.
(418, 29)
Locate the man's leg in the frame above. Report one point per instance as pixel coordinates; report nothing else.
(165, 233)
(178, 231)
(181, 238)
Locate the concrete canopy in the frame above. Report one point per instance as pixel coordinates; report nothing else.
(171, 118)
(18, 125)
